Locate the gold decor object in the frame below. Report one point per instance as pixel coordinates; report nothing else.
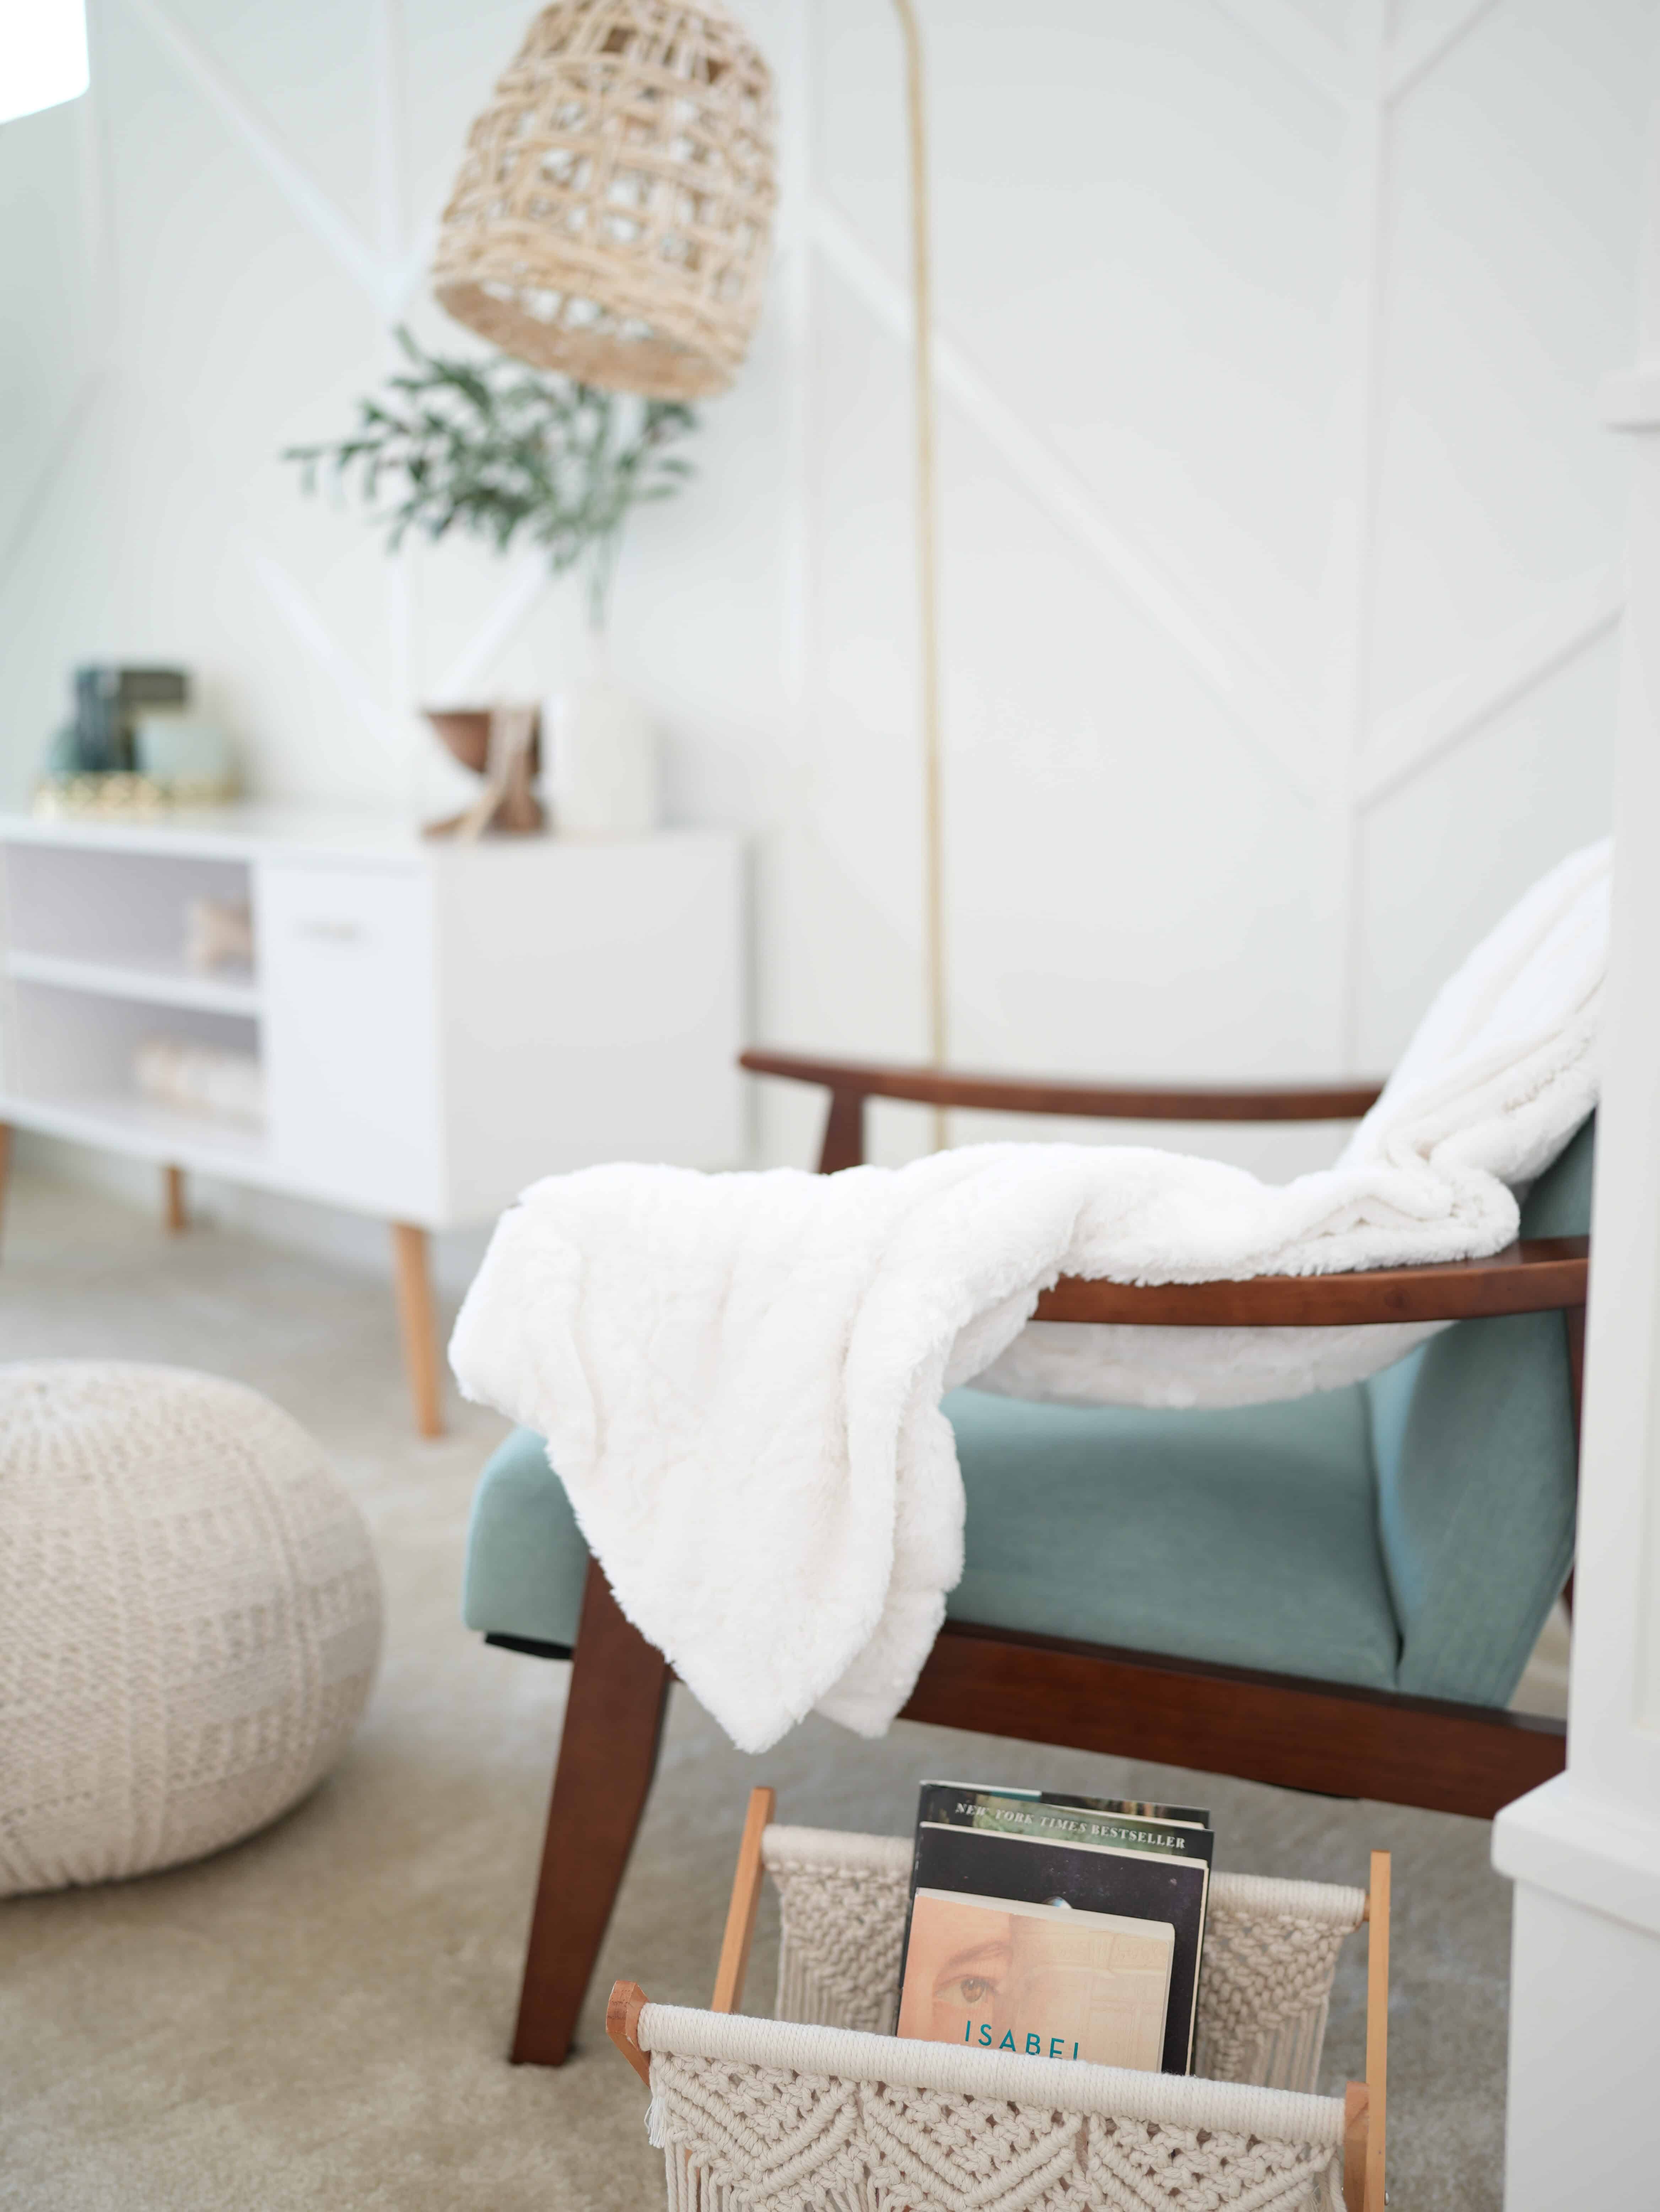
(614, 205)
(122, 792)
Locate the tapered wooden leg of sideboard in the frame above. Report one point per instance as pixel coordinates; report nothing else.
(173, 1200)
(418, 1319)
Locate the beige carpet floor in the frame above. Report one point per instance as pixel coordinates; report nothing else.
(318, 2018)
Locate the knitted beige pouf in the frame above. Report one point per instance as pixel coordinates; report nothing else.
(189, 1618)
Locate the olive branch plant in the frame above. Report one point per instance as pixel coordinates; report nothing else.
(492, 448)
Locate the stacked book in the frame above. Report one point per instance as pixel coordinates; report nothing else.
(1059, 1927)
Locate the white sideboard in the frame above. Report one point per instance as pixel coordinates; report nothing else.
(435, 1024)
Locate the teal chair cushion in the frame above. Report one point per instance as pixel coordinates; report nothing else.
(1472, 1439)
(526, 1561)
(1248, 1538)
(1410, 1533)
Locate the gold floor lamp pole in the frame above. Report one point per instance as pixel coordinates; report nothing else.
(927, 573)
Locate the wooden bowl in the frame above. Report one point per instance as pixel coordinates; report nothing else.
(465, 731)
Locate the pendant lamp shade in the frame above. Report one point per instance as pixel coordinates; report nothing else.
(614, 209)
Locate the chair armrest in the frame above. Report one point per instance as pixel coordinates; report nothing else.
(850, 1082)
(1009, 1094)
(1542, 1274)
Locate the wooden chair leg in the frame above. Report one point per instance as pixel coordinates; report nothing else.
(418, 1319)
(607, 1756)
(173, 1200)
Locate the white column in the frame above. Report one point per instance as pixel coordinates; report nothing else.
(1584, 2126)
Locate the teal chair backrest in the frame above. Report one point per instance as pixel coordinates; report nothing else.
(1472, 1439)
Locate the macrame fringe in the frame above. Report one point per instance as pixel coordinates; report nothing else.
(804, 1996)
(796, 1987)
(807, 1998)
(1288, 2057)
(692, 2188)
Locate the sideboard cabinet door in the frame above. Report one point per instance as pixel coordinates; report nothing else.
(346, 957)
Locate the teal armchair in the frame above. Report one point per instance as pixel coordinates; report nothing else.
(1339, 1593)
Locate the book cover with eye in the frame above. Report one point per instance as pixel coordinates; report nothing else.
(1045, 1980)
(1143, 1891)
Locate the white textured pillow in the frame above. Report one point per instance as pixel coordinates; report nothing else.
(189, 1618)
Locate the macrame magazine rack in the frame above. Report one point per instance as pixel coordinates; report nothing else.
(819, 2107)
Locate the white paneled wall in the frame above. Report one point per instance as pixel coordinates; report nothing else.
(1279, 572)
(1280, 536)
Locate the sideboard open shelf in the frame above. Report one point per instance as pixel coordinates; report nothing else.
(435, 1025)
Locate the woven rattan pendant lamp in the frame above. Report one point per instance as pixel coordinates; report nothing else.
(614, 206)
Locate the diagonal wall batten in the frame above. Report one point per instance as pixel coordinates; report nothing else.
(1240, 682)
(1321, 61)
(1408, 739)
(311, 204)
(300, 612)
(473, 664)
(1414, 56)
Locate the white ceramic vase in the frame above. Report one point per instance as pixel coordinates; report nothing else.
(603, 777)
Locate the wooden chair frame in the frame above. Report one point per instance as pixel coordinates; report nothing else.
(1327, 1737)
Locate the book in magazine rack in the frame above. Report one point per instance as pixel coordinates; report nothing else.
(819, 2107)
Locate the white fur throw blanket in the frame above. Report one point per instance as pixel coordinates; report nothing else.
(739, 1375)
